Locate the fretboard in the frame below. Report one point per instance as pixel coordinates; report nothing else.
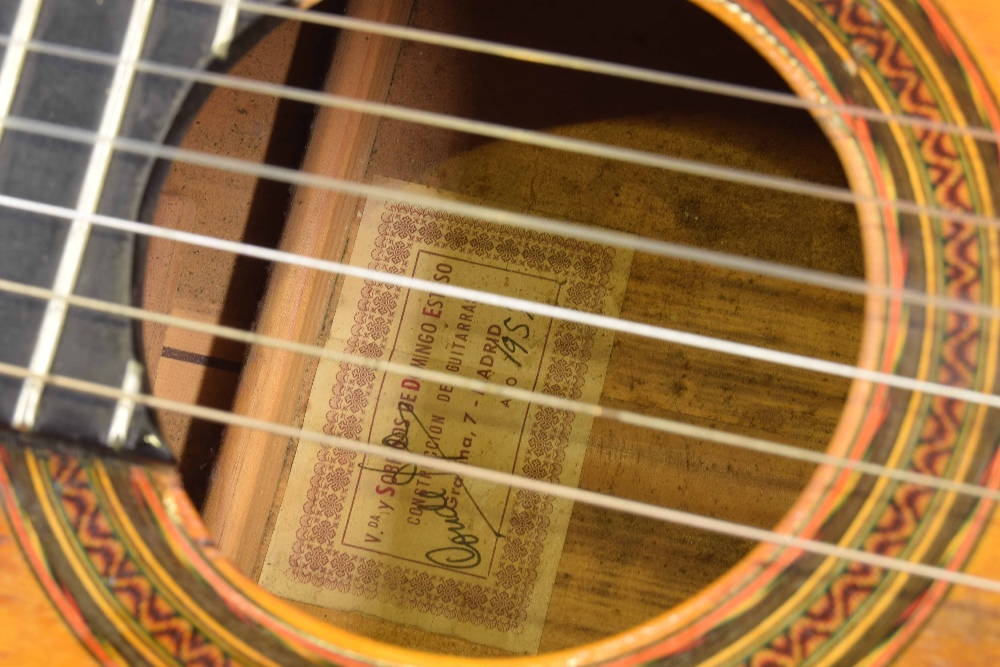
(75, 85)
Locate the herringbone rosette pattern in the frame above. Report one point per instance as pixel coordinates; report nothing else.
(110, 560)
(898, 525)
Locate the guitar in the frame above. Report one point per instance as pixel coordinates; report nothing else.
(104, 559)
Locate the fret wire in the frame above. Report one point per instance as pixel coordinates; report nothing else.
(573, 494)
(628, 417)
(50, 330)
(603, 67)
(617, 239)
(225, 29)
(13, 60)
(558, 312)
(122, 417)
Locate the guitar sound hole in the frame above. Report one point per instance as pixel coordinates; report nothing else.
(613, 571)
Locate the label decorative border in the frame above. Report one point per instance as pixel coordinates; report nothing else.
(585, 269)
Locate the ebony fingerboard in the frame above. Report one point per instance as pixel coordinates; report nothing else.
(70, 94)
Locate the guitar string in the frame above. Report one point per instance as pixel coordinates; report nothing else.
(686, 166)
(607, 237)
(594, 410)
(594, 498)
(620, 325)
(464, 125)
(512, 134)
(606, 68)
(569, 230)
(627, 417)
(618, 239)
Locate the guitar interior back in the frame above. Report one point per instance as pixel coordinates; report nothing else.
(615, 571)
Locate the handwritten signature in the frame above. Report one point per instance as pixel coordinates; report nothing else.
(463, 554)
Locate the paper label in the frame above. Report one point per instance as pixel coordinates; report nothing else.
(451, 555)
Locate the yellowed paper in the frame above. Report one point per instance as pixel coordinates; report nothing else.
(450, 555)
